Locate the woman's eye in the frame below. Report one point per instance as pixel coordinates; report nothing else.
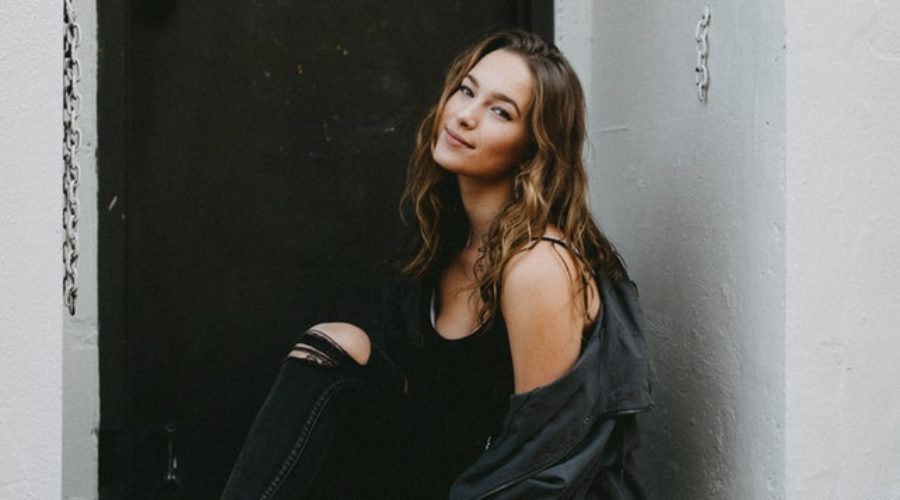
(466, 91)
(502, 113)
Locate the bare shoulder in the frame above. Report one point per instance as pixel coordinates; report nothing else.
(541, 264)
(541, 314)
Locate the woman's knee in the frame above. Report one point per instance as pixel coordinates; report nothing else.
(346, 337)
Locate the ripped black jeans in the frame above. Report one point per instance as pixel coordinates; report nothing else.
(330, 428)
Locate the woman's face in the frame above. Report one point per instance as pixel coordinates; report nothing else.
(483, 126)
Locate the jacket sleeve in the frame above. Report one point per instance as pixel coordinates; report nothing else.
(601, 466)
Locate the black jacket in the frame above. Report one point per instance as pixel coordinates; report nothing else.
(574, 437)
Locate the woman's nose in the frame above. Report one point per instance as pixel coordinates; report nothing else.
(466, 116)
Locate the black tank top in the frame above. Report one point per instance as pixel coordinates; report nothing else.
(459, 395)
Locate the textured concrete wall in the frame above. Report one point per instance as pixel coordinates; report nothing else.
(693, 195)
(843, 250)
(31, 310)
(574, 31)
(81, 384)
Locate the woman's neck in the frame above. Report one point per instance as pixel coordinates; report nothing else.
(482, 202)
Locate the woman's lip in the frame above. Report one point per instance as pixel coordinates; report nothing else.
(457, 140)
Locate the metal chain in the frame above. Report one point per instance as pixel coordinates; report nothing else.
(71, 144)
(701, 35)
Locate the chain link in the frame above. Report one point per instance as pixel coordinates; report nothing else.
(71, 144)
(701, 36)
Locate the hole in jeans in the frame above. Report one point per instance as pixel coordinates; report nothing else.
(309, 353)
(317, 347)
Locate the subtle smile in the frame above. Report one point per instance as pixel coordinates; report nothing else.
(456, 140)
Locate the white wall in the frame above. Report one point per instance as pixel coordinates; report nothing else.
(81, 375)
(764, 228)
(693, 195)
(31, 309)
(843, 249)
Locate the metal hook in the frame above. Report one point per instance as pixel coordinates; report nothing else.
(171, 478)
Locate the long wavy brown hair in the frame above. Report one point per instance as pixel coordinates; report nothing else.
(550, 186)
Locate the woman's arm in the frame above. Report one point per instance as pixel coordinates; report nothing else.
(539, 298)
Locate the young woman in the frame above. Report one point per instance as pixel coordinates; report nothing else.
(514, 359)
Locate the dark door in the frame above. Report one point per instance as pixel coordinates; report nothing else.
(251, 161)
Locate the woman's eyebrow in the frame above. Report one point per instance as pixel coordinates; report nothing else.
(497, 95)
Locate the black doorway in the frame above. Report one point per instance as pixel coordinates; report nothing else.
(251, 159)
